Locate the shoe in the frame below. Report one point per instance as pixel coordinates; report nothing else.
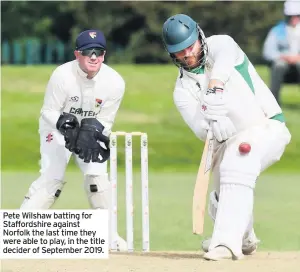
(249, 246)
(218, 253)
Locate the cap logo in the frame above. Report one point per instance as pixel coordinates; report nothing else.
(93, 35)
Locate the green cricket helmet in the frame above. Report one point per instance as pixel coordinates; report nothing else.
(179, 32)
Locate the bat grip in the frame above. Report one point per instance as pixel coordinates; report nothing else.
(210, 132)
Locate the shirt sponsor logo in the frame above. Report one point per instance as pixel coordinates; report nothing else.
(81, 112)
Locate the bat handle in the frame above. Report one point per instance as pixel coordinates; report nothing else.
(210, 132)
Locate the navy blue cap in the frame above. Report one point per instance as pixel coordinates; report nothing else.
(89, 39)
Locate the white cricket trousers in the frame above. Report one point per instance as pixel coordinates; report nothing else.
(54, 160)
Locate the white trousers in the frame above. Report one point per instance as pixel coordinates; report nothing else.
(54, 160)
(268, 140)
(235, 176)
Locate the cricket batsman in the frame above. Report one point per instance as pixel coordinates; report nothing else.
(80, 105)
(218, 87)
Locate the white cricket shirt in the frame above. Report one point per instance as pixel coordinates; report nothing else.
(250, 100)
(70, 91)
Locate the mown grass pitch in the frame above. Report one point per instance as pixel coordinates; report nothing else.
(276, 207)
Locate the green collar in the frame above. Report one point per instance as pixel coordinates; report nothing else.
(198, 70)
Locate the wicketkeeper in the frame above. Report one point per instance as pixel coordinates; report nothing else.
(81, 102)
(218, 86)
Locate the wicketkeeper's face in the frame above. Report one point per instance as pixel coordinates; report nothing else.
(90, 60)
(190, 56)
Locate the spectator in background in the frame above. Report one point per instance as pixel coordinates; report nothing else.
(282, 46)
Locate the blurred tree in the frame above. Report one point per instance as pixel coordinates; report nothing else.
(133, 28)
(44, 19)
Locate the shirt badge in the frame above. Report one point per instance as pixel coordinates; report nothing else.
(98, 102)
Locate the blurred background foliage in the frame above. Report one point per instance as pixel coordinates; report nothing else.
(132, 28)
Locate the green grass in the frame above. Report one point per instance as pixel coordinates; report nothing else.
(147, 106)
(174, 155)
(277, 207)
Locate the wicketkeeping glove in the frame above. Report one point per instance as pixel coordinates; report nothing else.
(68, 126)
(89, 136)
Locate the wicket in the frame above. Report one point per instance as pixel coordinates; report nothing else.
(129, 189)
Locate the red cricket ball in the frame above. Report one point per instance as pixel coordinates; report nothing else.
(244, 148)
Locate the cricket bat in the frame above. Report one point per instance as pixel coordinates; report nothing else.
(201, 185)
